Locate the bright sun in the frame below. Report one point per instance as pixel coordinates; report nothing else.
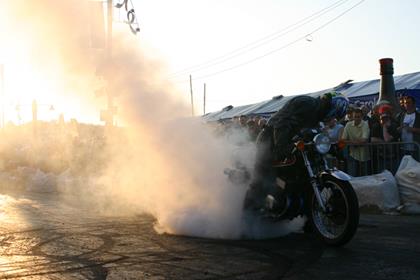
(23, 85)
(32, 72)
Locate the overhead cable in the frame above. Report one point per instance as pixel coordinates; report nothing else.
(282, 47)
(260, 42)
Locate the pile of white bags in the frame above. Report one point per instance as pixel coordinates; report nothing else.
(379, 190)
(408, 179)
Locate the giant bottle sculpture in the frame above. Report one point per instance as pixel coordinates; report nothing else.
(387, 87)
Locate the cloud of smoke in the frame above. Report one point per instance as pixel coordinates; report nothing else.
(161, 161)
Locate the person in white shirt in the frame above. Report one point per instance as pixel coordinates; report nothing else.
(410, 127)
(356, 133)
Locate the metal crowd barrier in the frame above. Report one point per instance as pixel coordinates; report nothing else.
(381, 156)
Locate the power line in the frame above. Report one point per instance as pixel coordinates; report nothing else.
(260, 42)
(281, 48)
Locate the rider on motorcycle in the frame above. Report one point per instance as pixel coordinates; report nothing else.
(275, 141)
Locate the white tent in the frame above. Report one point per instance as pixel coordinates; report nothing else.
(365, 92)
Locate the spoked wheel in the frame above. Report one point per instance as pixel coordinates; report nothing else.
(338, 224)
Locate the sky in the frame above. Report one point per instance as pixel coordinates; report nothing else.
(244, 51)
(189, 35)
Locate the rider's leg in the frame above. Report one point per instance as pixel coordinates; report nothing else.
(262, 174)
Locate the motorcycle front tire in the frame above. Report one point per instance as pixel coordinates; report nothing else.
(348, 204)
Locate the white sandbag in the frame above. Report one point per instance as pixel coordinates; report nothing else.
(378, 190)
(42, 182)
(408, 180)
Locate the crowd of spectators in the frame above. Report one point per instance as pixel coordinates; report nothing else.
(247, 127)
(377, 138)
(367, 132)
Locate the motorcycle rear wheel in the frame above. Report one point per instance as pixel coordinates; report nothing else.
(337, 226)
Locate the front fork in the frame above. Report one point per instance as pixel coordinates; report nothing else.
(313, 180)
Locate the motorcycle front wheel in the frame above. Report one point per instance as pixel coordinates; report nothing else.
(339, 223)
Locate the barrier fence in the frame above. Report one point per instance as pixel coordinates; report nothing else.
(372, 158)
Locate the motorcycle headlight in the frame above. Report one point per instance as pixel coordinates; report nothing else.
(322, 143)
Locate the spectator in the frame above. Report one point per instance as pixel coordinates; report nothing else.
(257, 119)
(365, 111)
(400, 114)
(243, 121)
(349, 116)
(261, 123)
(410, 127)
(252, 130)
(235, 123)
(385, 156)
(333, 129)
(401, 102)
(381, 107)
(356, 132)
(375, 130)
(375, 118)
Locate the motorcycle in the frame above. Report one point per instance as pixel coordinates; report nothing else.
(305, 184)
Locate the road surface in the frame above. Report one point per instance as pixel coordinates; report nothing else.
(42, 239)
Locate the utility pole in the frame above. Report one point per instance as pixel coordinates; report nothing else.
(192, 99)
(34, 117)
(109, 29)
(2, 94)
(109, 120)
(204, 100)
(108, 114)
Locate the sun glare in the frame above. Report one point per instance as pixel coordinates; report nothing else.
(23, 86)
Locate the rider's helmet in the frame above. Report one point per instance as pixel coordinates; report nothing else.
(339, 105)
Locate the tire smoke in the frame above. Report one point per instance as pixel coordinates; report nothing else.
(159, 160)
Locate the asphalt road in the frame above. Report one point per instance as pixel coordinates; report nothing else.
(43, 240)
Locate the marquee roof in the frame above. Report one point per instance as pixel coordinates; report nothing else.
(354, 91)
